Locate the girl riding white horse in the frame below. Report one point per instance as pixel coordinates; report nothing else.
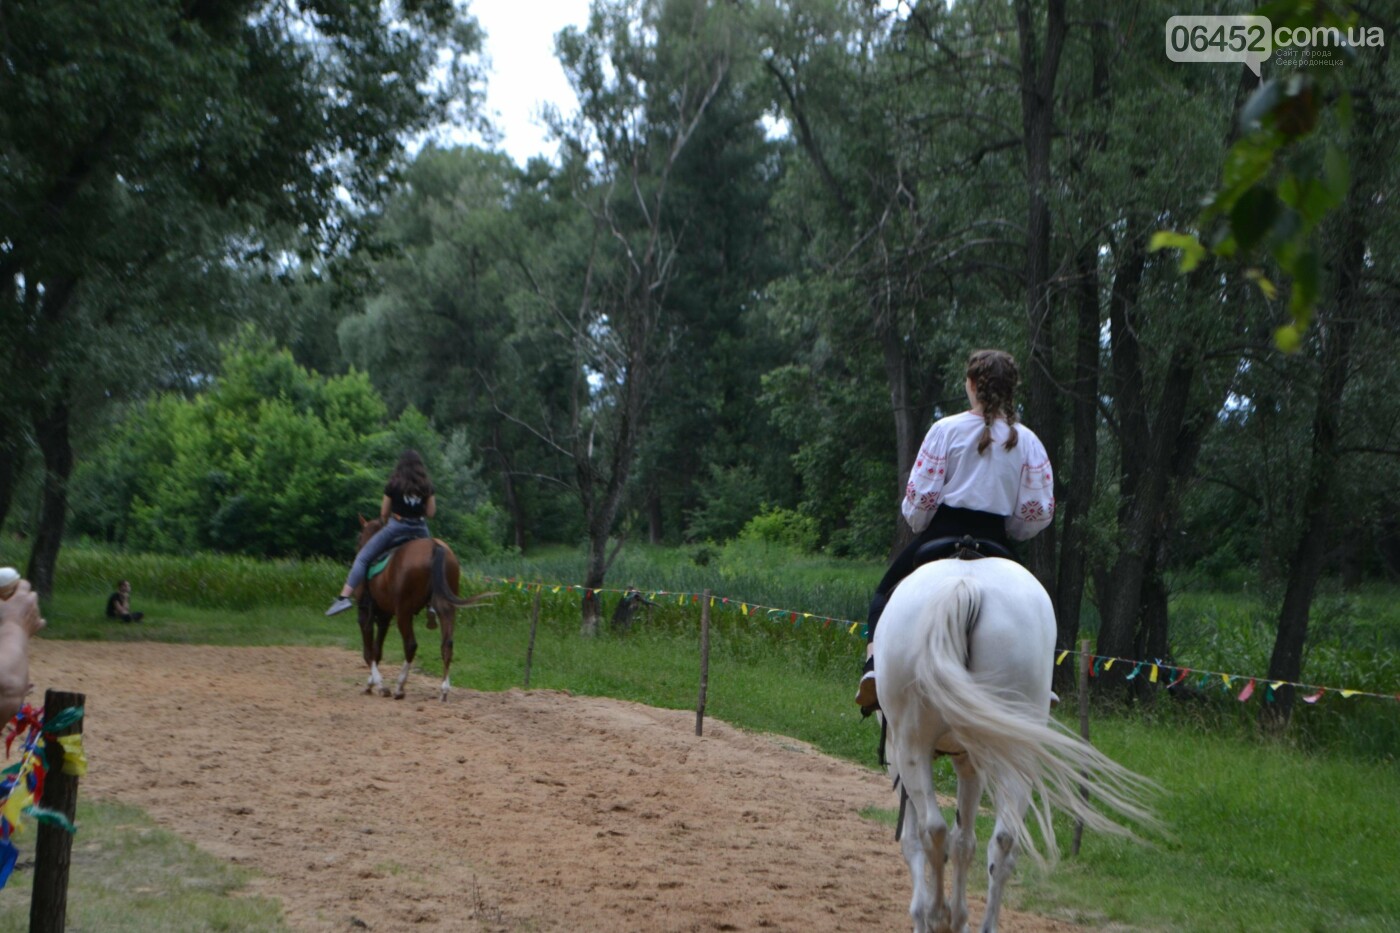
(963, 662)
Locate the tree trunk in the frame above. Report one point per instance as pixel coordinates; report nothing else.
(51, 431)
(13, 449)
(1073, 507)
(508, 492)
(1338, 329)
(656, 528)
(1039, 69)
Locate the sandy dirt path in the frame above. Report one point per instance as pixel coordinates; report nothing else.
(529, 811)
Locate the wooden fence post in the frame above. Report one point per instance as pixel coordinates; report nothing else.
(1083, 731)
(48, 907)
(534, 623)
(704, 662)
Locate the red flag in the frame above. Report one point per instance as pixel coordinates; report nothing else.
(1248, 691)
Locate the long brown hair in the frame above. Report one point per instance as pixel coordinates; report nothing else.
(410, 476)
(994, 377)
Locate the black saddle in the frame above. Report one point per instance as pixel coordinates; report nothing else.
(964, 548)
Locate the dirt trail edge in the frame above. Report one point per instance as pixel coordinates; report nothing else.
(494, 812)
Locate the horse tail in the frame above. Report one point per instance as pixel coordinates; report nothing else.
(443, 597)
(1012, 741)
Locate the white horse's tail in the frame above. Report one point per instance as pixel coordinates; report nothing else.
(1008, 739)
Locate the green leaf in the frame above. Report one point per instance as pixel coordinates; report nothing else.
(1192, 252)
(1307, 272)
(1288, 338)
(1253, 215)
(1258, 277)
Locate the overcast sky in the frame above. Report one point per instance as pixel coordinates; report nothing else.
(523, 70)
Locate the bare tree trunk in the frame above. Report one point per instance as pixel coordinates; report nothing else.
(508, 491)
(1078, 491)
(1040, 67)
(13, 449)
(1074, 512)
(655, 519)
(51, 431)
(1338, 328)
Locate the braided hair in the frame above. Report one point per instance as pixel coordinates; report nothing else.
(994, 377)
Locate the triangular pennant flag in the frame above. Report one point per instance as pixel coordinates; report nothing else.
(1248, 691)
(1348, 694)
(1316, 696)
(1152, 677)
(1061, 659)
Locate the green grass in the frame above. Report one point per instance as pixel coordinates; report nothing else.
(1299, 834)
(129, 875)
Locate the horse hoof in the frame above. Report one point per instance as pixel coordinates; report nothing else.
(385, 692)
(398, 696)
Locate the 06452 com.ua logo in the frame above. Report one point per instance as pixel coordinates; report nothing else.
(1252, 40)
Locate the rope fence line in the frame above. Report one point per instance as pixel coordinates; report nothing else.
(1156, 671)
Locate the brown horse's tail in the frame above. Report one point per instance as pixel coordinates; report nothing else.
(441, 591)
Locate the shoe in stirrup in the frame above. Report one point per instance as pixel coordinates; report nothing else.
(340, 605)
(866, 697)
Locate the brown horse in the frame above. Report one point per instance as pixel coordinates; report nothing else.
(420, 574)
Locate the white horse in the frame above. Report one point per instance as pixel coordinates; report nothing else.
(963, 658)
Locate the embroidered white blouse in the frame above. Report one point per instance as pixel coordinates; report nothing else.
(1017, 483)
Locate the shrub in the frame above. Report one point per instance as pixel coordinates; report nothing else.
(785, 527)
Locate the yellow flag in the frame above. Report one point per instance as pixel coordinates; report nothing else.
(20, 798)
(1061, 659)
(1109, 665)
(1153, 676)
(1278, 683)
(74, 757)
(1350, 693)
(744, 608)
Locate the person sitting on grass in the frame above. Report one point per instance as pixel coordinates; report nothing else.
(119, 604)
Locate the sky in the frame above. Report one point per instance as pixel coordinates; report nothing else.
(523, 72)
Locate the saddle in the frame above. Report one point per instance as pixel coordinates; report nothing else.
(379, 563)
(964, 548)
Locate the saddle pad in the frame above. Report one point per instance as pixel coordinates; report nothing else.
(376, 568)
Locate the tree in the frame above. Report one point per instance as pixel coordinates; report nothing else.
(184, 136)
(645, 74)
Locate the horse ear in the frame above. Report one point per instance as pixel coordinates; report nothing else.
(363, 523)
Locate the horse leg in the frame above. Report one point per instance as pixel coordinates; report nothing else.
(410, 649)
(373, 647)
(446, 618)
(1012, 799)
(923, 841)
(962, 840)
(376, 681)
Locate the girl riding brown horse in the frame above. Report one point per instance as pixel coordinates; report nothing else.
(421, 574)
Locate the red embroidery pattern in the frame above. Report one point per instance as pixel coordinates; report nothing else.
(1031, 511)
(924, 502)
(937, 466)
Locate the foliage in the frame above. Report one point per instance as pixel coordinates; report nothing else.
(272, 460)
(1276, 187)
(782, 527)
